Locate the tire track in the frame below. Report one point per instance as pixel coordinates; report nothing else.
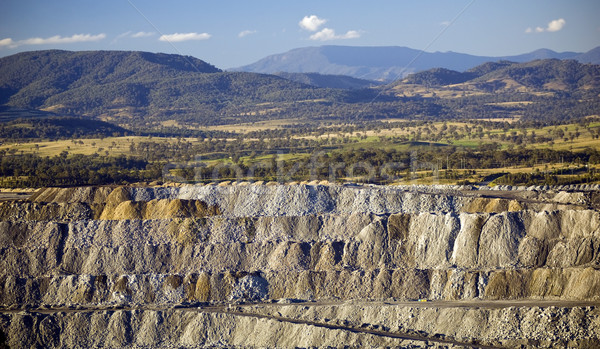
(359, 330)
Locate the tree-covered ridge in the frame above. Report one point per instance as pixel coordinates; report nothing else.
(329, 81)
(78, 82)
(549, 74)
(69, 69)
(439, 77)
(139, 84)
(58, 128)
(140, 90)
(543, 90)
(65, 170)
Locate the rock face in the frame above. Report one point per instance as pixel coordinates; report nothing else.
(121, 258)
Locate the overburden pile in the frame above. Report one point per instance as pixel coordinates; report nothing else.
(163, 266)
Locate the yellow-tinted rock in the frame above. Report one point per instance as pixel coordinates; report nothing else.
(114, 199)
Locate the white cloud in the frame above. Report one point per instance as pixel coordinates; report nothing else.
(311, 23)
(553, 26)
(132, 35)
(556, 25)
(351, 34)
(142, 35)
(8, 42)
(445, 23)
(323, 35)
(123, 35)
(329, 34)
(57, 39)
(178, 37)
(246, 33)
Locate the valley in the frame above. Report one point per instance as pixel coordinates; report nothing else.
(154, 200)
(421, 153)
(180, 118)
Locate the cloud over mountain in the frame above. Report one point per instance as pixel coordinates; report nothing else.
(57, 39)
(313, 23)
(178, 37)
(141, 34)
(553, 26)
(329, 34)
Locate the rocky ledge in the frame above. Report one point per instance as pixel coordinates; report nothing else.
(300, 265)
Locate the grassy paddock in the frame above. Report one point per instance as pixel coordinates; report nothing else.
(399, 136)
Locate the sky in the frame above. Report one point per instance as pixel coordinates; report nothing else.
(233, 33)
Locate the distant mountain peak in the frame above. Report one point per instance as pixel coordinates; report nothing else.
(387, 63)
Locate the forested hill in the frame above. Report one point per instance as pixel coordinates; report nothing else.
(535, 76)
(329, 81)
(68, 81)
(143, 91)
(61, 70)
(141, 86)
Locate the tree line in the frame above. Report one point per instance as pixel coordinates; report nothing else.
(75, 170)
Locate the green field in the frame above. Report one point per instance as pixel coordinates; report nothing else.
(367, 139)
(451, 146)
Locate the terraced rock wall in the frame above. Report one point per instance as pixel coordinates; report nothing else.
(149, 247)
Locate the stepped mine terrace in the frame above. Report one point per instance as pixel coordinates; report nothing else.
(284, 266)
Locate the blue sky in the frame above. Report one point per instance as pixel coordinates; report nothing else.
(234, 33)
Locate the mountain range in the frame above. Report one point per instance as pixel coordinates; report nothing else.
(152, 91)
(389, 63)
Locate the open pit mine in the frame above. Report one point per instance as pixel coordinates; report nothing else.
(285, 266)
